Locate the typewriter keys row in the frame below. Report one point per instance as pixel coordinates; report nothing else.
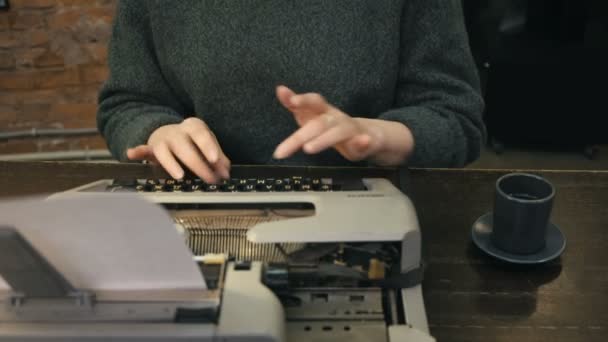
(238, 185)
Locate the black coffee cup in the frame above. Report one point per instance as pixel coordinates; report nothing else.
(522, 208)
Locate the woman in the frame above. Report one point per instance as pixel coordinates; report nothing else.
(326, 82)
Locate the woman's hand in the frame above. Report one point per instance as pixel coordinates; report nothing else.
(192, 143)
(323, 126)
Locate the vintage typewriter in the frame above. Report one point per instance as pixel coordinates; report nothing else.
(323, 258)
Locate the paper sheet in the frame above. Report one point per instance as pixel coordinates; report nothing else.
(105, 242)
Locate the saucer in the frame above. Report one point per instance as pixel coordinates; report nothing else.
(554, 246)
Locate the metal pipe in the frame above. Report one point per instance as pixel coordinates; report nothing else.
(48, 133)
(59, 155)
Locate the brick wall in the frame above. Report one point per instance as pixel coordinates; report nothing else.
(52, 62)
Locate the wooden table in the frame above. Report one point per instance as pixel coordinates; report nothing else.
(469, 296)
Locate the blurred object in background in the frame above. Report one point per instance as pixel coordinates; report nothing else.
(544, 67)
(52, 62)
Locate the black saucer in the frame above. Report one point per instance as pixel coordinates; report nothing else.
(555, 243)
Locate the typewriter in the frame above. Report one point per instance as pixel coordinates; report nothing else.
(291, 258)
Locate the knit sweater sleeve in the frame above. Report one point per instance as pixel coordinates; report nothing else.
(437, 94)
(136, 99)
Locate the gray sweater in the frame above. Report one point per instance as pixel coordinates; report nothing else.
(401, 60)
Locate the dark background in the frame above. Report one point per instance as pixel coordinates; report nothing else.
(544, 69)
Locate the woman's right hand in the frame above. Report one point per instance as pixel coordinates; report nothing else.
(192, 143)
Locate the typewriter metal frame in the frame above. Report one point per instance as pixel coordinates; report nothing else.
(249, 309)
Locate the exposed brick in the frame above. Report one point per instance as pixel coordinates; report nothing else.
(74, 143)
(53, 56)
(8, 40)
(34, 112)
(70, 94)
(27, 21)
(80, 3)
(71, 124)
(64, 19)
(80, 112)
(17, 80)
(36, 38)
(106, 3)
(25, 57)
(65, 43)
(56, 144)
(90, 29)
(94, 142)
(94, 74)
(48, 59)
(18, 146)
(33, 4)
(74, 55)
(104, 14)
(46, 96)
(98, 52)
(7, 61)
(86, 3)
(57, 78)
(22, 124)
(8, 98)
(82, 94)
(8, 115)
(49, 145)
(4, 22)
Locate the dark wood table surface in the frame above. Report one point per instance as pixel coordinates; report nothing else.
(469, 296)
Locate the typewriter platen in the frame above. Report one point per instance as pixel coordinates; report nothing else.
(342, 256)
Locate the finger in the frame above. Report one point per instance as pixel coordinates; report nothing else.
(303, 106)
(223, 164)
(311, 102)
(186, 151)
(167, 160)
(205, 140)
(140, 152)
(284, 95)
(207, 144)
(356, 148)
(362, 141)
(331, 137)
(223, 167)
(309, 131)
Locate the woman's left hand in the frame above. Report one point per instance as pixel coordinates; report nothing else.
(323, 126)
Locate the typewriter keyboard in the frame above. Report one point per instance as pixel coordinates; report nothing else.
(286, 184)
